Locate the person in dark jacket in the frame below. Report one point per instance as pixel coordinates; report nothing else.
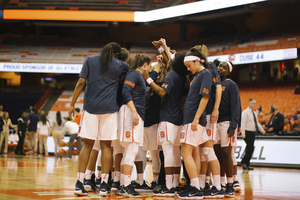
(276, 122)
(22, 129)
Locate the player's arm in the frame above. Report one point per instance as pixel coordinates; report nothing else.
(128, 86)
(215, 112)
(159, 90)
(78, 89)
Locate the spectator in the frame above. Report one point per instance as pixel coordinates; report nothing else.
(5, 132)
(77, 116)
(287, 125)
(1, 124)
(22, 129)
(56, 130)
(72, 128)
(276, 122)
(33, 119)
(296, 125)
(43, 131)
(297, 90)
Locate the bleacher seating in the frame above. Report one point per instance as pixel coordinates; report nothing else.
(119, 5)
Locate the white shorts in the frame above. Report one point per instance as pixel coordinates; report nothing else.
(168, 132)
(150, 138)
(194, 138)
(211, 129)
(118, 148)
(129, 133)
(222, 136)
(99, 127)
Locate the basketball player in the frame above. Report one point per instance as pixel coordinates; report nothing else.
(229, 115)
(193, 132)
(132, 115)
(170, 125)
(101, 74)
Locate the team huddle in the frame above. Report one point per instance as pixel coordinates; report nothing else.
(183, 105)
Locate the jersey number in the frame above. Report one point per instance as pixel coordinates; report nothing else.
(216, 79)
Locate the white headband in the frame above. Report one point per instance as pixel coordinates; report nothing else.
(191, 58)
(173, 56)
(229, 65)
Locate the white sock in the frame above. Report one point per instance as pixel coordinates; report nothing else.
(223, 180)
(104, 178)
(122, 180)
(202, 180)
(113, 175)
(235, 178)
(169, 181)
(216, 179)
(176, 180)
(88, 174)
(195, 183)
(207, 179)
(229, 180)
(155, 178)
(117, 176)
(140, 178)
(80, 176)
(127, 180)
(99, 175)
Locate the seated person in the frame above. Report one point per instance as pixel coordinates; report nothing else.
(276, 122)
(297, 90)
(296, 126)
(287, 125)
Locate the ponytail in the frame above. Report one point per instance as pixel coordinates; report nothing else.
(107, 54)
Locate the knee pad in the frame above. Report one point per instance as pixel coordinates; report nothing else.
(234, 162)
(97, 145)
(209, 153)
(139, 155)
(130, 153)
(99, 159)
(168, 154)
(202, 158)
(177, 157)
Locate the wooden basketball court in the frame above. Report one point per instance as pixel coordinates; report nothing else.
(34, 177)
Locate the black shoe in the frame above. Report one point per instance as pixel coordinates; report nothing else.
(154, 185)
(79, 189)
(229, 192)
(120, 191)
(115, 186)
(145, 186)
(192, 193)
(93, 182)
(104, 189)
(206, 191)
(98, 182)
(250, 168)
(130, 191)
(87, 184)
(245, 167)
(165, 192)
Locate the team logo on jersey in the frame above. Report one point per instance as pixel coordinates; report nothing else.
(129, 83)
(162, 134)
(165, 85)
(181, 135)
(128, 134)
(208, 131)
(206, 91)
